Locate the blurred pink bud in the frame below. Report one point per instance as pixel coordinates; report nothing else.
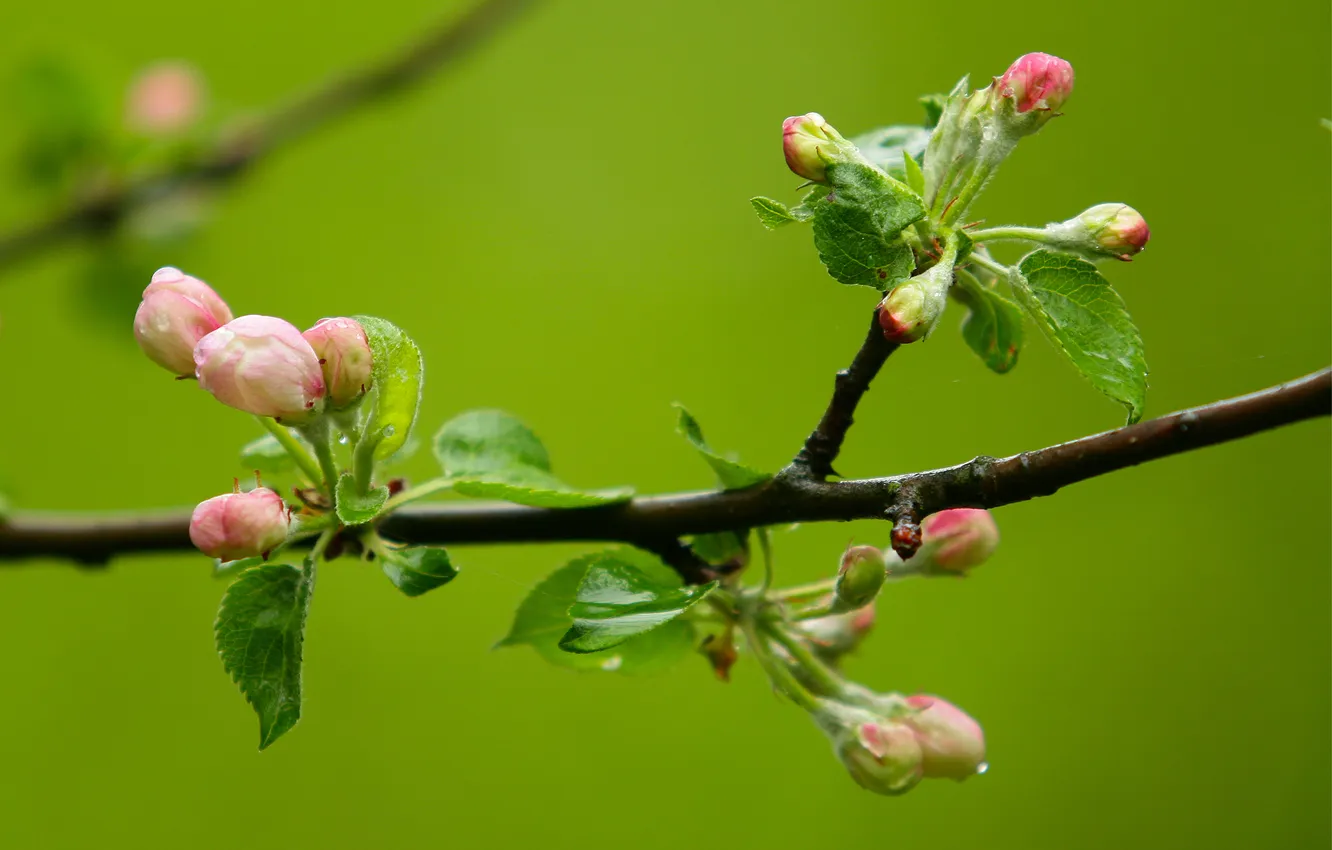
(261, 365)
(951, 743)
(240, 525)
(165, 98)
(344, 354)
(810, 143)
(959, 539)
(1037, 81)
(1116, 229)
(882, 756)
(176, 312)
(837, 634)
(859, 578)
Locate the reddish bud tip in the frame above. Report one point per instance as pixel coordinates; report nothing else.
(809, 143)
(1037, 81)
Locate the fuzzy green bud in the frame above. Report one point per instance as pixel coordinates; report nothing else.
(859, 578)
(1105, 230)
(810, 143)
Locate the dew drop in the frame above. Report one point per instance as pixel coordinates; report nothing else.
(612, 664)
(982, 767)
(389, 430)
(343, 440)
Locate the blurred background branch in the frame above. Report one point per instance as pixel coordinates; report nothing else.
(101, 208)
(785, 499)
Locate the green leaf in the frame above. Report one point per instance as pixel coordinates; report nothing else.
(417, 569)
(260, 632)
(730, 474)
(396, 376)
(354, 507)
(266, 455)
(772, 214)
(993, 327)
(543, 618)
(857, 226)
(617, 601)
(915, 178)
(491, 454)
(1085, 318)
(887, 146)
(934, 106)
(722, 547)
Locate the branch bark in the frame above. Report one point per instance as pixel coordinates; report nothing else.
(231, 156)
(982, 482)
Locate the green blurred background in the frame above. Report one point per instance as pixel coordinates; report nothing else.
(562, 224)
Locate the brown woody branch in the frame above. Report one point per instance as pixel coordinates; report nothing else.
(231, 156)
(983, 482)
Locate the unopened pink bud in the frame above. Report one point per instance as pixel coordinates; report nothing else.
(176, 312)
(1117, 229)
(903, 315)
(882, 756)
(261, 365)
(240, 525)
(952, 744)
(165, 98)
(810, 143)
(344, 354)
(1037, 81)
(837, 634)
(958, 539)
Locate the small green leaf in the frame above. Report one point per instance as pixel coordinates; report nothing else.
(354, 507)
(616, 601)
(417, 569)
(993, 327)
(260, 633)
(1085, 318)
(543, 618)
(934, 106)
(265, 454)
(491, 454)
(857, 226)
(396, 377)
(772, 214)
(730, 474)
(915, 178)
(886, 147)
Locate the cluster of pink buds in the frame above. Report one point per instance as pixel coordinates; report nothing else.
(259, 364)
(919, 737)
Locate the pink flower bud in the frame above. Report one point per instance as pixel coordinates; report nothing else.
(261, 365)
(344, 354)
(952, 745)
(165, 98)
(240, 525)
(1116, 229)
(810, 143)
(176, 312)
(837, 634)
(911, 311)
(1037, 81)
(859, 577)
(881, 755)
(958, 539)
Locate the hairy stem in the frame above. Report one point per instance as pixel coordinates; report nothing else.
(293, 446)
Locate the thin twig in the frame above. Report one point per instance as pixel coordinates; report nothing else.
(232, 154)
(825, 442)
(649, 520)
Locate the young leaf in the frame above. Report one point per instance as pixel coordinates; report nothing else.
(886, 147)
(933, 105)
(355, 508)
(914, 177)
(543, 618)
(260, 632)
(492, 454)
(730, 474)
(993, 327)
(857, 226)
(266, 455)
(396, 378)
(772, 214)
(1086, 319)
(616, 601)
(417, 569)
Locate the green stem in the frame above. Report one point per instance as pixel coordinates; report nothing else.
(765, 545)
(805, 592)
(420, 491)
(824, 678)
(988, 264)
(363, 462)
(320, 546)
(292, 446)
(321, 437)
(1010, 233)
(777, 671)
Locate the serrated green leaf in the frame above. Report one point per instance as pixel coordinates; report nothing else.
(354, 507)
(543, 618)
(730, 474)
(887, 146)
(617, 601)
(260, 633)
(1077, 310)
(396, 376)
(994, 326)
(417, 569)
(266, 455)
(772, 214)
(857, 226)
(491, 454)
